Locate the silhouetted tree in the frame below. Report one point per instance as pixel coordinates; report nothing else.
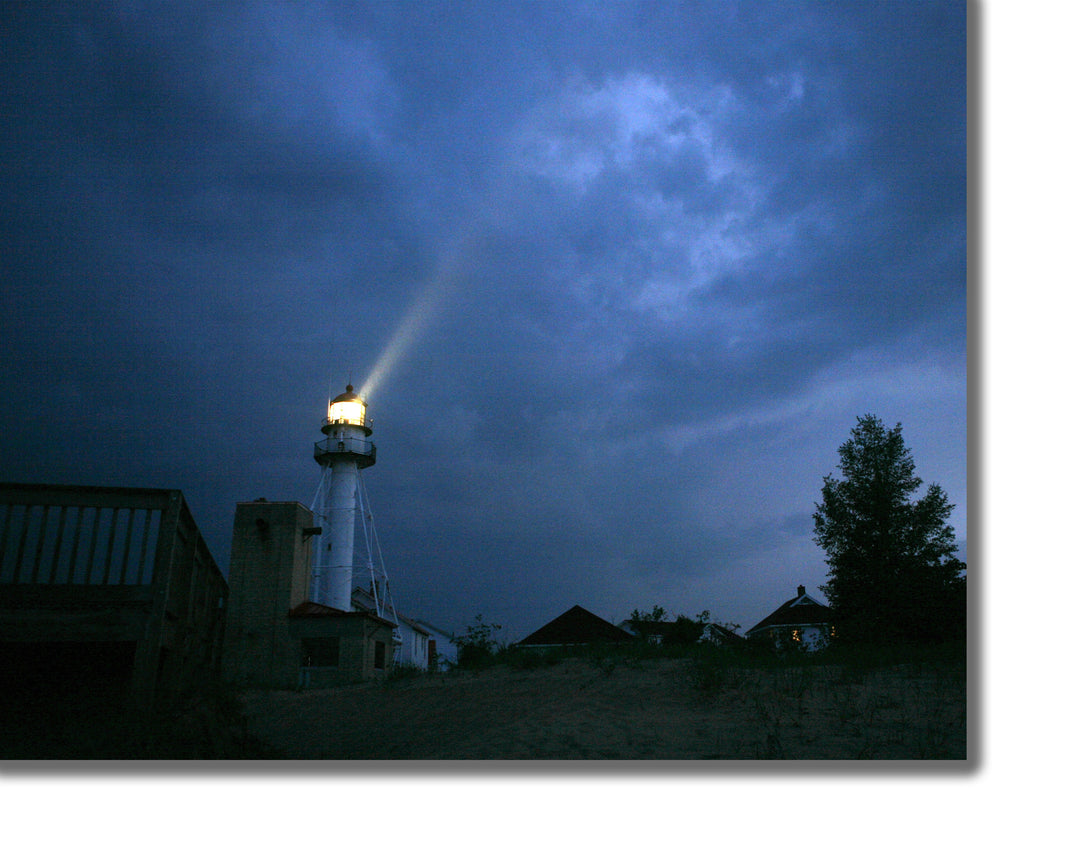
(684, 631)
(893, 572)
(657, 615)
(477, 646)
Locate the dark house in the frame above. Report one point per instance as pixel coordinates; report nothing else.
(682, 632)
(576, 627)
(801, 621)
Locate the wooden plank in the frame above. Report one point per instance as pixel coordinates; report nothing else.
(40, 546)
(61, 596)
(140, 577)
(75, 545)
(127, 545)
(148, 653)
(9, 509)
(22, 545)
(46, 626)
(56, 546)
(93, 544)
(87, 496)
(107, 569)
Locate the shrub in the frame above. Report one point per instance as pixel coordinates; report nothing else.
(403, 672)
(476, 649)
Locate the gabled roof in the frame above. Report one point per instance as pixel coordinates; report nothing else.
(433, 629)
(662, 628)
(718, 633)
(414, 624)
(575, 627)
(362, 599)
(801, 610)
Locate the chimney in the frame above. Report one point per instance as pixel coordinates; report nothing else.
(802, 590)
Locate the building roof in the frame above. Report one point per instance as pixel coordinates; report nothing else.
(720, 634)
(682, 629)
(801, 610)
(347, 395)
(434, 629)
(313, 608)
(414, 624)
(364, 600)
(575, 627)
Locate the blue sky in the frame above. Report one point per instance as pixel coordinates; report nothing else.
(619, 277)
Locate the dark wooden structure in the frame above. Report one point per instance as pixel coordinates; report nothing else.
(113, 576)
(575, 627)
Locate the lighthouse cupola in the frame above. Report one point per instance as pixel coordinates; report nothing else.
(347, 428)
(347, 409)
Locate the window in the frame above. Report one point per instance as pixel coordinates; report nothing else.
(380, 655)
(320, 651)
(796, 635)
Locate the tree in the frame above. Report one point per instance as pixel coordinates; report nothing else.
(657, 615)
(647, 625)
(478, 646)
(893, 571)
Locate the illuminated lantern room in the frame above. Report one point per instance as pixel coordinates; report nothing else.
(348, 431)
(347, 408)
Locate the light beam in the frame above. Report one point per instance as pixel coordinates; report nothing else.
(418, 316)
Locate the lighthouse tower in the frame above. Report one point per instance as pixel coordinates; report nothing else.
(348, 533)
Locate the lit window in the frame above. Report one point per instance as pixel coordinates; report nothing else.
(796, 635)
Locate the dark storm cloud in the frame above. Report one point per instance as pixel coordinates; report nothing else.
(629, 272)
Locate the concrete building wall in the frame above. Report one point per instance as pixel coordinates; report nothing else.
(269, 574)
(274, 636)
(354, 638)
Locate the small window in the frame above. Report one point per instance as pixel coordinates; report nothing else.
(380, 655)
(321, 651)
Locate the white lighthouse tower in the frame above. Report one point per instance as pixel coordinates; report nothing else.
(348, 530)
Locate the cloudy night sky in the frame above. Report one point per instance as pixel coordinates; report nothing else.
(617, 279)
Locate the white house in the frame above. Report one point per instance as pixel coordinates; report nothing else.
(415, 644)
(803, 622)
(422, 644)
(442, 652)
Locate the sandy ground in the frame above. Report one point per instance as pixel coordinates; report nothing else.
(649, 709)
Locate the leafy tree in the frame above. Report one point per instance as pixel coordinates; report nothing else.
(646, 625)
(657, 615)
(477, 646)
(893, 571)
(685, 631)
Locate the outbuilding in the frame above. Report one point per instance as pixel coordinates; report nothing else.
(576, 627)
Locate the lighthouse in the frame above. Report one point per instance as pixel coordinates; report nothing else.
(340, 504)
